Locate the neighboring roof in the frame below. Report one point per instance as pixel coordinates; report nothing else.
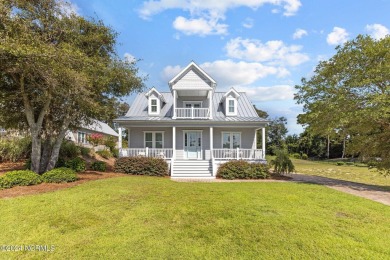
(189, 67)
(245, 110)
(101, 127)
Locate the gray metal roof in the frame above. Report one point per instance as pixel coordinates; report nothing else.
(245, 110)
(101, 127)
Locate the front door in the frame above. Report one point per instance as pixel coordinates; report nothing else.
(193, 144)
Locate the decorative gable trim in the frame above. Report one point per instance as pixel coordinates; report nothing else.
(232, 92)
(188, 68)
(158, 94)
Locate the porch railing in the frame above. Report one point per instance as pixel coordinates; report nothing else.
(238, 154)
(164, 153)
(192, 113)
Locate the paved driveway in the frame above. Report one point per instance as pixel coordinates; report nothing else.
(371, 192)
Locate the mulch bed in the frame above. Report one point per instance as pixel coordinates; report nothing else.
(46, 187)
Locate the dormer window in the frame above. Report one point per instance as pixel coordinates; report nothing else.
(230, 100)
(154, 105)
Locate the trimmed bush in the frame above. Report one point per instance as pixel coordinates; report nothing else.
(85, 151)
(77, 164)
(142, 166)
(19, 178)
(59, 175)
(282, 164)
(295, 155)
(115, 153)
(372, 164)
(350, 163)
(340, 163)
(239, 169)
(110, 142)
(304, 156)
(106, 154)
(69, 150)
(99, 166)
(14, 149)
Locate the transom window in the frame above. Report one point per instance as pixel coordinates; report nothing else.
(231, 140)
(154, 139)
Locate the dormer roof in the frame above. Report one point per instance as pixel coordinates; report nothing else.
(231, 92)
(158, 94)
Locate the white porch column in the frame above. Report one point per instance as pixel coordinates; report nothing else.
(210, 104)
(263, 141)
(120, 138)
(128, 137)
(173, 142)
(211, 142)
(174, 103)
(254, 145)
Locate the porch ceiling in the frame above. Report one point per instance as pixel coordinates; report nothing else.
(192, 93)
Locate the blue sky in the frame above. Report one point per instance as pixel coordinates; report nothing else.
(263, 47)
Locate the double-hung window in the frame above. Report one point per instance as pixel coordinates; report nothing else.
(154, 139)
(231, 140)
(81, 137)
(154, 108)
(231, 107)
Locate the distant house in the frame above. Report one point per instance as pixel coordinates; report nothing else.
(194, 127)
(80, 135)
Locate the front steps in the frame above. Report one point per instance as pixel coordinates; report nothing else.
(192, 169)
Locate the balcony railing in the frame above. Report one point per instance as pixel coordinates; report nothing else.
(238, 154)
(192, 113)
(164, 153)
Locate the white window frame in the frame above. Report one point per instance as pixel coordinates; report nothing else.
(201, 141)
(228, 113)
(231, 138)
(192, 103)
(150, 106)
(85, 137)
(154, 138)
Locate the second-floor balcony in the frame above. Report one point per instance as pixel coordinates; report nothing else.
(192, 113)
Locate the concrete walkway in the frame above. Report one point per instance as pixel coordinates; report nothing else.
(372, 192)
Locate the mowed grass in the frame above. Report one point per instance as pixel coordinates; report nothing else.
(146, 217)
(343, 172)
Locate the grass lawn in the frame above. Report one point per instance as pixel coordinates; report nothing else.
(343, 172)
(146, 217)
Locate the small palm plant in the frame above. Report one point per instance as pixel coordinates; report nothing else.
(282, 163)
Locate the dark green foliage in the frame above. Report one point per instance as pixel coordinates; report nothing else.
(295, 156)
(77, 164)
(19, 178)
(60, 162)
(372, 164)
(85, 151)
(99, 166)
(59, 175)
(115, 153)
(27, 164)
(340, 163)
(106, 154)
(14, 149)
(142, 166)
(69, 150)
(282, 163)
(350, 163)
(110, 142)
(239, 169)
(304, 156)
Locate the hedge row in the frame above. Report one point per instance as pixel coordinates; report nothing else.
(142, 166)
(239, 169)
(27, 177)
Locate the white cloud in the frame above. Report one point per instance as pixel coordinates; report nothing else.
(228, 73)
(272, 52)
(377, 31)
(273, 93)
(248, 23)
(129, 57)
(200, 26)
(299, 33)
(337, 36)
(69, 8)
(205, 15)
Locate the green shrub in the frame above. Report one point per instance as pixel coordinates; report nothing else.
(304, 156)
(99, 166)
(69, 150)
(340, 163)
(19, 178)
(15, 149)
(239, 169)
(85, 151)
(282, 163)
(142, 166)
(372, 164)
(115, 153)
(59, 175)
(105, 154)
(361, 165)
(350, 163)
(295, 156)
(27, 164)
(110, 142)
(60, 162)
(77, 164)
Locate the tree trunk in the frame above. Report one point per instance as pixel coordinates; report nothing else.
(35, 151)
(45, 156)
(328, 148)
(343, 155)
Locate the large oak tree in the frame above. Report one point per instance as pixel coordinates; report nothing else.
(57, 71)
(349, 94)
